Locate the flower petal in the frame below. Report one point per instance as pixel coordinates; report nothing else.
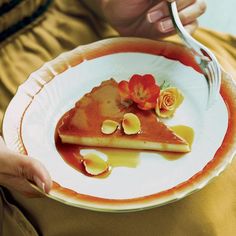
(131, 124)
(123, 87)
(168, 101)
(143, 88)
(154, 92)
(147, 105)
(94, 165)
(146, 81)
(109, 126)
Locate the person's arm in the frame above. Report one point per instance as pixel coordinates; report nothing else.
(17, 170)
(147, 18)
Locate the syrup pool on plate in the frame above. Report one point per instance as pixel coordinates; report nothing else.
(72, 154)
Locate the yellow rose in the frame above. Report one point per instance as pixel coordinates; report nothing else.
(168, 101)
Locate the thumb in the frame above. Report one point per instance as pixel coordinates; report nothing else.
(32, 170)
(25, 167)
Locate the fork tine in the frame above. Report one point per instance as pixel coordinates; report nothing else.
(219, 73)
(211, 72)
(208, 75)
(215, 76)
(215, 67)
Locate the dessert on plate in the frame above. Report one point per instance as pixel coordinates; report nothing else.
(124, 115)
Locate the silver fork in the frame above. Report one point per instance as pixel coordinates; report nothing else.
(203, 56)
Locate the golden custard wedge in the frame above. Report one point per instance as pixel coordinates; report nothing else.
(82, 124)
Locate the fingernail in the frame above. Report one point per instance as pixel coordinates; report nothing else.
(154, 16)
(39, 183)
(166, 25)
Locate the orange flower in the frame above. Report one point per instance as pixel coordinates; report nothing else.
(140, 89)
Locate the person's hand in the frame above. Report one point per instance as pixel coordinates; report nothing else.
(150, 18)
(16, 171)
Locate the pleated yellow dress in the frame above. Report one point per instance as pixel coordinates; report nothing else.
(33, 32)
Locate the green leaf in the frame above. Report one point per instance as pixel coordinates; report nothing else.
(164, 85)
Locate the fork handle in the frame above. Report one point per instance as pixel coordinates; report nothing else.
(187, 38)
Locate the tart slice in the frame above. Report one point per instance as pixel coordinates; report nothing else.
(83, 124)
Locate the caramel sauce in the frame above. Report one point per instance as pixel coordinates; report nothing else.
(71, 153)
(119, 158)
(185, 132)
(104, 102)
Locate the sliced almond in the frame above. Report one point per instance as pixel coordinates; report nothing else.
(109, 126)
(94, 165)
(131, 124)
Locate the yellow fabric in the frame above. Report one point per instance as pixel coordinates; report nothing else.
(210, 212)
(2, 2)
(19, 12)
(13, 221)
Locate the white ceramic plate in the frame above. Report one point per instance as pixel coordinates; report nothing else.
(30, 122)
